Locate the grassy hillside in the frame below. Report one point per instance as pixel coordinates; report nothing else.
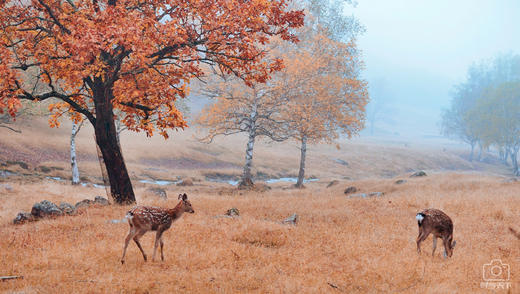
(184, 156)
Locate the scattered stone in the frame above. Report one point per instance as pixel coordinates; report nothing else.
(23, 217)
(350, 190)
(399, 182)
(44, 169)
(333, 183)
(510, 180)
(291, 220)
(44, 209)
(418, 174)
(160, 192)
(101, 201)
(19, 163)
(67, 208)
(376, 194)
(341, 161)
(84, 203)
(233, 212)
(185, 182)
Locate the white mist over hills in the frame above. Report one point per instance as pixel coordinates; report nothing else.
(418, 50)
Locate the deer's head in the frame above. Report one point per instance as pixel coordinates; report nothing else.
(186, 205)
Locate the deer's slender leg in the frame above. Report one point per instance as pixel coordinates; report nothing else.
(157, 240)
(446, 247)
(130, 235)
(434, 245)
(136, 240)
(162, 244)
(423, 234)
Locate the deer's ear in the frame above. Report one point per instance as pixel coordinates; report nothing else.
(180, 196)
(184, 197)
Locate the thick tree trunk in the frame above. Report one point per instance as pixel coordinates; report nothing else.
(247, 181)
(73, 159)
(301, 172)
(106, 139)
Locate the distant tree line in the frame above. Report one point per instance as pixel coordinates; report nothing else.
(485, 109)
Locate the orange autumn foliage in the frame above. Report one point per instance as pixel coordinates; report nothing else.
(325, 93)
(138, 55)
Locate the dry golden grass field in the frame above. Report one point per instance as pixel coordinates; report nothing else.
(340, 244)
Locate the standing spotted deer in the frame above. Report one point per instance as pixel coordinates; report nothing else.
(440, 225)
(147, 218)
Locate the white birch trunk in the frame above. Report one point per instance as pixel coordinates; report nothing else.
(73, 159)
(301, 172)
(247, 180)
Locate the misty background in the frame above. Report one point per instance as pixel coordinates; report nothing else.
(416, 51)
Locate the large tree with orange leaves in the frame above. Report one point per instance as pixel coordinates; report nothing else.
(135, 56)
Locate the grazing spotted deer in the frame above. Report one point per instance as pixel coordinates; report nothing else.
(440, 225)
(146, 218)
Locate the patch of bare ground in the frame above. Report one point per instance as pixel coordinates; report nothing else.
(340, 244)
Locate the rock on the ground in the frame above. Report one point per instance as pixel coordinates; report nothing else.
(84, 203)
(23, 217)
(418, 174)
(291, 220)
(233, 212)
(399, 182)
(341, 161)
(185, 182)
(101, 201)
(67, 208)
(45, 208)
(376, 194)
(333, 183)
(159, 192)
(350, 190)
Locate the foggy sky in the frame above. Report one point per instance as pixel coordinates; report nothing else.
(416, 50)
